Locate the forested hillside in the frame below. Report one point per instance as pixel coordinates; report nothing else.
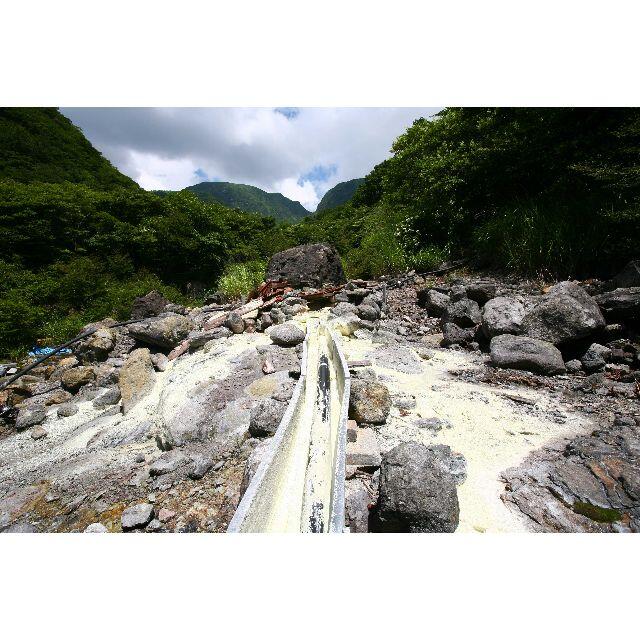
(252, 199)
(339, 195)
(41, 145)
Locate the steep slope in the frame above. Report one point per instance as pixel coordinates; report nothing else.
(252, 199)
(340, 194)
(41, 145)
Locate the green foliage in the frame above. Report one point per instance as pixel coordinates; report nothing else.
(252, 199)
(74, 255)
(240, 279)
(339, 195)
(40, 144)
(467, 172)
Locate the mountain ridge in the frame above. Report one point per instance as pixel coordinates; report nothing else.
(339, 194)
(251, 199)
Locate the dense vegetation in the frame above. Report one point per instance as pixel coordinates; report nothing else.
(551, 191)
(41, 145)
(339, 195)
(72, 254)
(252, 199)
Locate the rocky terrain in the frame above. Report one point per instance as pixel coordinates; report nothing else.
(479, 402)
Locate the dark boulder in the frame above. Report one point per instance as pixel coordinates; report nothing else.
(148, 306)
(620, 304)
(435, 302)
(464, 313)
(628, 277)
(566, 314)
(528, 354)
(312, 265)
(453, 334)
(417, 493)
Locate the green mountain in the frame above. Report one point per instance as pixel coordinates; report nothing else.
(251, 199)
(41, 145)
(340, 194)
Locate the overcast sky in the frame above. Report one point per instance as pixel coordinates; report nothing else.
(298, 152)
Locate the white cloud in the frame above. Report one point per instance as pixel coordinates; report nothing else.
(304, 193)
(163, 148)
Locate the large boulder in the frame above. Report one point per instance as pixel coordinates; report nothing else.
(312, 265)
(417, 493)
(166, 332)
(464, 313)
(502, 315)
(528, 354)
(565, 314)
(153, 304)
(287, 335)
(265, 417)
(137, 378)
(453, 334)
(370, 402)
(435, 302)
(620, 304)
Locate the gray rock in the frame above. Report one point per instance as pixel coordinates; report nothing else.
(481, 291)
(344, 308)
(265, 417)
(457, 293)
(595, 357)
(29, 418)
(433, 424)
(287, 335)
(159, 361)
(260, 452)
(277, 316)
(265, 321)
(137, 516)
(370, 402)
(312, 265)
(167, 463)
(464, 313)
(529, 354)
(67, 409)
(368, 312)
(573, 366)
(435, 302)
(356, 505)
(234, 323)
(166, 331)
(155, 525)
(96, 527)
(502, 315)
(566, 314)
(109, 397)
(417, 494)
(453, 334)
(137, 378)
(621, 304)
(200, 466)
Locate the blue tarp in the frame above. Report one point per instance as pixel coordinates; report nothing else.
(45, 351)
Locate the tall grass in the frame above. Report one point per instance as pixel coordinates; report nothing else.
(543, 240)
(241, 278)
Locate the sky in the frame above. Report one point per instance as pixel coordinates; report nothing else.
(299, 152)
